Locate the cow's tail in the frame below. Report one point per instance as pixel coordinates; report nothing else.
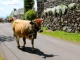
(13, 27)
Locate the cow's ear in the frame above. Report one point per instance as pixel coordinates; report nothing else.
(31, 23)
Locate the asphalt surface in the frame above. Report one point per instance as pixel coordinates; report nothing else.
(46, 48)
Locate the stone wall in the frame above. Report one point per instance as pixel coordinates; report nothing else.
(69, 22)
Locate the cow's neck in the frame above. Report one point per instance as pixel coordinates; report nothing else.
(36, 26)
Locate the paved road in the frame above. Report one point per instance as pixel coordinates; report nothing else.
(47, 48)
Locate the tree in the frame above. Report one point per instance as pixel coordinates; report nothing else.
(30, 15)
(11, 15)
(28, 4)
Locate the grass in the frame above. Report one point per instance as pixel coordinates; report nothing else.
(1, 57)
(72, 37)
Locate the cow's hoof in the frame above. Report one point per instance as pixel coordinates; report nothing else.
(18, 46)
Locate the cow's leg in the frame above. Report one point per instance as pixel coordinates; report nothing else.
(24, 40)
(32, 42)
(17, 40)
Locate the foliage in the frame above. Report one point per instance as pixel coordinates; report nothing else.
(28, 4)
(72, 37)
(72, 6)
(63, 8)
(57, 10)
(1, 57)
(30, 15)
(11, 15)
(8, 17)
(54, 11)
(23, 17)
(60, 9)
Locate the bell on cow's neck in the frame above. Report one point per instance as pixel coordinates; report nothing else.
(40, 30)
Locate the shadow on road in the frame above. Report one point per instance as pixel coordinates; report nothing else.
(5, 38)
(38, 52)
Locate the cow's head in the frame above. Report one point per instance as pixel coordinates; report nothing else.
(37, 24)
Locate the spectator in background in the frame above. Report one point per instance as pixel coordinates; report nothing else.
(5, 19)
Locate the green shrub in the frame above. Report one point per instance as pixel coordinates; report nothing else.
(30, 15)
(1, 57)
(23, 17)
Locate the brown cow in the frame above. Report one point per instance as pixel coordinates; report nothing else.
(26, 29)
(1, 20)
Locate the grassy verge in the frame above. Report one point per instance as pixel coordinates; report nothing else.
(1, 57)
(72, 37)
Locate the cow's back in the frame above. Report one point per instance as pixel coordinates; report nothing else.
(20, 27)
